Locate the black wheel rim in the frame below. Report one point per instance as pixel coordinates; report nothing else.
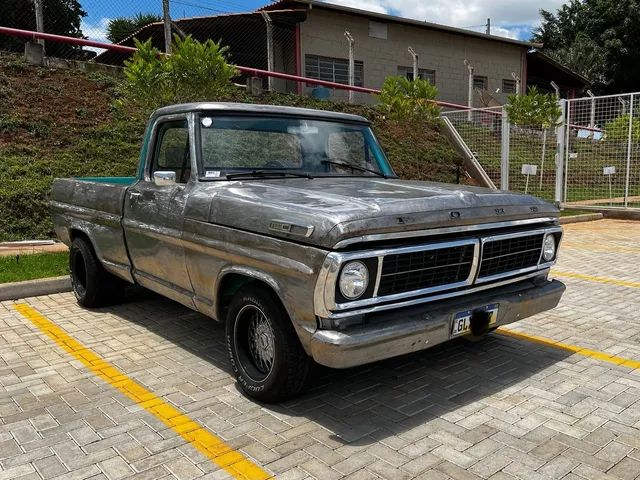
(78, 272)
(255, 342)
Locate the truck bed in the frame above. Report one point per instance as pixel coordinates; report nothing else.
(94, 207)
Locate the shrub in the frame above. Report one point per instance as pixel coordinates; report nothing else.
(534, 109)
(195, 71)
(401, 98)
(618, 129)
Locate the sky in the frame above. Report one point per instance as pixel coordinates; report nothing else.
(509, 18)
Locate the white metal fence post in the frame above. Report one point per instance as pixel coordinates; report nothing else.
(470, 92)
(416, 70)
(166, 18)
(270, 65)
(561, 146)
(504, 150)
(352, 67)
(629, 144)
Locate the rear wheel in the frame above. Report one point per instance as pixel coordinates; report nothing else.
(265, 353)
(92, 285)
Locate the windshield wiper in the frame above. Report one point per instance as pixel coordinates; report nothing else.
(266, 174)
(353, 167)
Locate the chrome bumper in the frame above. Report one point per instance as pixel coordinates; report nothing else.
(397, 332)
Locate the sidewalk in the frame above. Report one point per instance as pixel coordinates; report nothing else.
(29, 247)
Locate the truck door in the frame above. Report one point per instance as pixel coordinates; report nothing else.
(153, 215)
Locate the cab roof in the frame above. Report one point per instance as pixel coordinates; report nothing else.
(248, 108)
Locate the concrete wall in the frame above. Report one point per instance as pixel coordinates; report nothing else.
(323, 34)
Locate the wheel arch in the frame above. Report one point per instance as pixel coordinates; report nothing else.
(234, 278)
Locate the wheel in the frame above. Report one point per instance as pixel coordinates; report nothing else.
(92, 285)
(265, 353)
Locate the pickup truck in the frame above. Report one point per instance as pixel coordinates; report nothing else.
(290, 226)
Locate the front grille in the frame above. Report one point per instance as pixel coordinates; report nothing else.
(510, 254)
(406, 272)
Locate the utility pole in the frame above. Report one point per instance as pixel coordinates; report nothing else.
(37, 4)
(488, 26)
(167, 26)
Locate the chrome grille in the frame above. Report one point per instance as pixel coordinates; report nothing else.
(425, 269)
(512, 254)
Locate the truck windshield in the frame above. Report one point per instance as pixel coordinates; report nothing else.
(233, 147)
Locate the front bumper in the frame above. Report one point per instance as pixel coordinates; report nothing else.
(397, 332)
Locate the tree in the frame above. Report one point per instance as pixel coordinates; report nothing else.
(61, 17)
(401, 98)
(596, 38)
(534, 109)
(120, 28)
(195, 71)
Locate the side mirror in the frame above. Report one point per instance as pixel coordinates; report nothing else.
(162, 178)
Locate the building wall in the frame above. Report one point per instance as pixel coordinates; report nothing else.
(323, 34)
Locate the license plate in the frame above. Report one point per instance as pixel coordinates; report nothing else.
(462, 320)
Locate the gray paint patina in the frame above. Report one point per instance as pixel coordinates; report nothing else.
(184, 240)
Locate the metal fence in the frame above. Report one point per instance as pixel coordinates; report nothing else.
(602, 157)
(591, 159)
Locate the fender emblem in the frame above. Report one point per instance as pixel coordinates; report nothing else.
(499, 211)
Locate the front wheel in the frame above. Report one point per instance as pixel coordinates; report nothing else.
(265, 353)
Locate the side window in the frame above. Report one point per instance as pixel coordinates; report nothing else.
(172, 150)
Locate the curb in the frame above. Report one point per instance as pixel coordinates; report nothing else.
(34, 288)
(585, 217)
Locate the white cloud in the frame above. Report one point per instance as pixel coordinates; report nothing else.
(466, 13)
(95, 30)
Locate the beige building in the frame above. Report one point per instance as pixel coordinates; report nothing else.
(381, 50)
(308, 39)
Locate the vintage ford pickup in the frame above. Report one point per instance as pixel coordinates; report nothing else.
(290, 226)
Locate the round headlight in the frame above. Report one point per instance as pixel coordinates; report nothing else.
(549, 248)
(354, 280)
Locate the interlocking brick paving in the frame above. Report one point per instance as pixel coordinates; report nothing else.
(501, 409)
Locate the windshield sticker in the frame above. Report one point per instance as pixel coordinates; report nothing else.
(304, 130)
(212, 173)
(207, 122)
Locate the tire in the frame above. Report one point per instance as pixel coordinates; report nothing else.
(92, 285)
(265, 353)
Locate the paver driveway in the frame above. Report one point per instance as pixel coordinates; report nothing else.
(508, 407)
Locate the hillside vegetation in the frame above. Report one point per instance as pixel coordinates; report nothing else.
(61, 123)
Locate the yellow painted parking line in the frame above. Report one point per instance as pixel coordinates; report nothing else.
(605, 357)
(591, 278)
(212, 447)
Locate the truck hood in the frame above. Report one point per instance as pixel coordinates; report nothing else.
(324, 211)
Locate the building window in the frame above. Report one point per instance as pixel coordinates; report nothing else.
(378, 30)
(480, 82)
(333, 69)
(423, 73)
(508, 85)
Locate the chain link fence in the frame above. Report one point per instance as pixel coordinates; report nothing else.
(481, 130)
(603, 151)
(265, 40)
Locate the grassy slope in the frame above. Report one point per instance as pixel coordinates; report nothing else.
(59, 123)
